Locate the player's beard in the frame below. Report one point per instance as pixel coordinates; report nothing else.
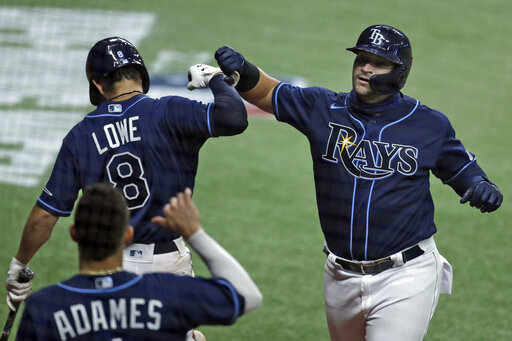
(363, 90)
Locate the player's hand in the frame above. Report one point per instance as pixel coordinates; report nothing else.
(199, 76)
(231, 62)
(180, 215)
(16, 291)
(483, 195)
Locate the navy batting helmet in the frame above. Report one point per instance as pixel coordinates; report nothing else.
(108, 55)
(390, 43)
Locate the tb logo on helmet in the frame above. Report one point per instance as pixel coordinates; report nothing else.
(376, 37)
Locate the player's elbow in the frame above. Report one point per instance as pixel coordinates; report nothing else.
(240, 122)
(253, 300)
(230, 117)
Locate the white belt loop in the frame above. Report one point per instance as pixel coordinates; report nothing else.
(428, 245)
(398, 259)
(331, 257)
(180, 244)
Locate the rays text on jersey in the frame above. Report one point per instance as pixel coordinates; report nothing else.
(369, 159)
(116, 134)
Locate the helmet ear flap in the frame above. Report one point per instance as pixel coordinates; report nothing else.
(387, 83)
(391, 82)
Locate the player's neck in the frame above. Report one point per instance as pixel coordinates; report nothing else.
(125, 89)
(373, 109)
(106, 266)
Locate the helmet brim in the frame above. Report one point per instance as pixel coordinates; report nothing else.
(377, 51)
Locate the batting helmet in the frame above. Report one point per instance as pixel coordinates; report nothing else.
(390, 43)
(108, 55)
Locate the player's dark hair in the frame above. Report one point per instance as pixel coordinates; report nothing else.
(101, 219)
(131, 71)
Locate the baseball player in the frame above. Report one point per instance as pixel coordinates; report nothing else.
(146, 147)
(372, 151)
(105, 302)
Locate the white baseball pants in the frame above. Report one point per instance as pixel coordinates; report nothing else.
(396, 304)
(140, 259)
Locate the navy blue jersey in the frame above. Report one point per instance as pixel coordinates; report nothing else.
(372, 172)
(146, 147)
(125, 306)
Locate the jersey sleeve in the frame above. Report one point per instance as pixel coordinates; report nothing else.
(59, 194)
(453, 158)
(296, 106)
(208, 302)
(188, 117)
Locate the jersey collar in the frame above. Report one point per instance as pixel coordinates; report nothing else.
(383, 107)
(115, 108)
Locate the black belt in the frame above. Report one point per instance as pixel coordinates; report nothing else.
(376, 267)
(165, 247)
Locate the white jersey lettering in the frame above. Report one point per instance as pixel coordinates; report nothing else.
(155, 315)
(118, 313)
(97, 316)
(135, 313)
(63, 325)
(80, 319)
(116, 135)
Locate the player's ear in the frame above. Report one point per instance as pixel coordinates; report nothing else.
(99, 86)
(128, 235)
(72, 232)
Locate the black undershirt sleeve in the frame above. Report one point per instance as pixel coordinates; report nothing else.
(229, 114)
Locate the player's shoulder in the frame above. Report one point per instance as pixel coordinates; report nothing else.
(174, 100)
(426, 112)
(43, 295)
(171, 106)
(108, 112)
(318, 90)
(168, 280)
(163, 277)
(309, 93)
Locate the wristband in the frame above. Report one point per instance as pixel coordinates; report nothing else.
(249, 77)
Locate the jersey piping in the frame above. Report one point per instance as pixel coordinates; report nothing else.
(53, 208)
(354, 191)
(462, 169)
(208, 119)
(99, 291)
(373, 182)
(275, 101)
(235, 297)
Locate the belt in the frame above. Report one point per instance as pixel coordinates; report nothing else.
(165, 247)
(373, 268)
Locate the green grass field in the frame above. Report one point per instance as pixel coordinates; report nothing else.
(255, 191)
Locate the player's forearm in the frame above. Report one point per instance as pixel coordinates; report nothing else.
(261, 94)
(229, 112)
(37, 231)
(222, 264)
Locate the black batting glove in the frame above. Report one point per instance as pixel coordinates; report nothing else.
(483, 195)
(231, 62)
